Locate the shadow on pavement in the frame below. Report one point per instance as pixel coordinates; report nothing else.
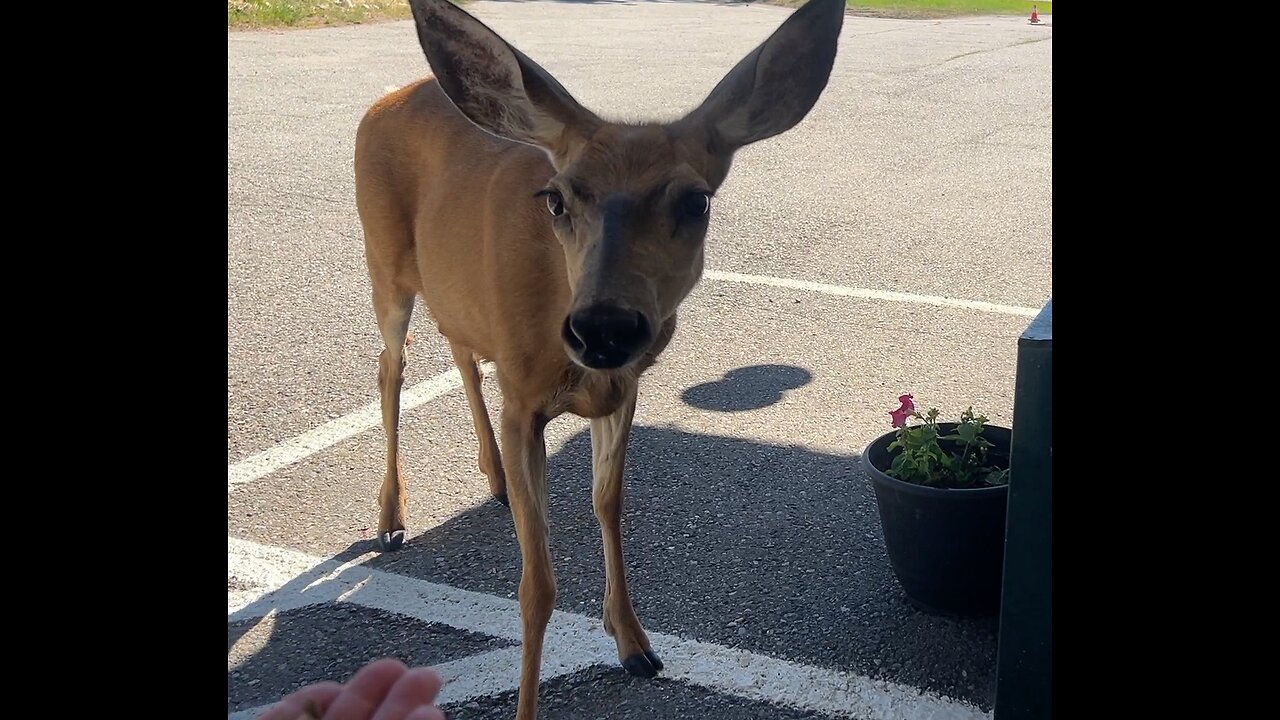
(775, 549)
(747, 388)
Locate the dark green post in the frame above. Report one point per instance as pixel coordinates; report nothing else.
(1024, 668)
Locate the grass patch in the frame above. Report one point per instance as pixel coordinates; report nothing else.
(256, 14)
(935, 8)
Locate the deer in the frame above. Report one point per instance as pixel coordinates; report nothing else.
(557, 246)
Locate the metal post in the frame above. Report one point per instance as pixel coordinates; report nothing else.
(1024, 668)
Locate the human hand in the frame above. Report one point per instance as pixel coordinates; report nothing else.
(382, 690)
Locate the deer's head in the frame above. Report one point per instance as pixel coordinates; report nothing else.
(629, 203)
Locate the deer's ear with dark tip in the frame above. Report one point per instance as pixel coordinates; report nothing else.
(496, 86)
(777, 84)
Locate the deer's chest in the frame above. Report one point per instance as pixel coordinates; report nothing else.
(593, 394)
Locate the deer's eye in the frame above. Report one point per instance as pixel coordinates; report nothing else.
(555, 204)
(695, 204)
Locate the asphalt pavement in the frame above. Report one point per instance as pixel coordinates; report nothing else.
(898, 240)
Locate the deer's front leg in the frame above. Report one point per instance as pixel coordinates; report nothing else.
(609, 436)
(524, 455)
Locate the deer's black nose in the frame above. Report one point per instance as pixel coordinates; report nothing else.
(606, 336)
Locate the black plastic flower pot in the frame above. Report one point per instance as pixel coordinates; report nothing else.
(946, 546)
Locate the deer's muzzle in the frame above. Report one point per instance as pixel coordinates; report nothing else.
(604, 337)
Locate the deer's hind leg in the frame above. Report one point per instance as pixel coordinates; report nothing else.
(490, 458)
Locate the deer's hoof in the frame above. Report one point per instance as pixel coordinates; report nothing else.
(391, 541)
(503, 499)
(645, 664)
(653, 659)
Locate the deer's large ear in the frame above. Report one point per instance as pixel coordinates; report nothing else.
(495, 85)
(775, 86)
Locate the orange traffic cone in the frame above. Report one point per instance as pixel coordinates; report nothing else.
(1035, 16)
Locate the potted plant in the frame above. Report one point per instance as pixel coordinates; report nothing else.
(941, 489)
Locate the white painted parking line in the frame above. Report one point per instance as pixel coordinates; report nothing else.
(248, 714)
(868, 294)
(335, 431)
(276, 579)
(485, 674)
(309, 443)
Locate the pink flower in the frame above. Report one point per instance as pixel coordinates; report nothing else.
(901, 414)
